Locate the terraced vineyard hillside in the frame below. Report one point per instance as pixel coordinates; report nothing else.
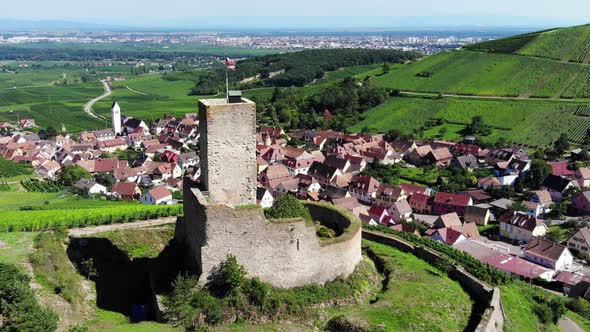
(546, 64)
(535, 123)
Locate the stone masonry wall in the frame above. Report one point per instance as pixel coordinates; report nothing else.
(284, 254)
(228, 150)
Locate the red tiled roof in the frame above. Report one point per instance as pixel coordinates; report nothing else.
(125, 188)
(452, 199)
(560, 168)
(160, 193)
(449, 235)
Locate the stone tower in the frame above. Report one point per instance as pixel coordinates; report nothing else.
(116, 118)
(228, 150)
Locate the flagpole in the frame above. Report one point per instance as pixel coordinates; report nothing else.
(226, 86)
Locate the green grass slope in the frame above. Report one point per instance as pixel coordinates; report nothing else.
(490, 74)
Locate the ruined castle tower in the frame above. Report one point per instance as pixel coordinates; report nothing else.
(221, 217)
(228, 150)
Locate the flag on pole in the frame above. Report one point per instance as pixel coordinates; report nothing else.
(230, 64)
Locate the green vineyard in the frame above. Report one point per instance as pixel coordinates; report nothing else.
(37, 186)
(534, 123)
(19, 221)
(4, 186)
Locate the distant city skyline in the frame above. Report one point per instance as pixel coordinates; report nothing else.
(304, 13)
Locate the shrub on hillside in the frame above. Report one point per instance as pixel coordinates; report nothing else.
(288, 206)
(19, 308)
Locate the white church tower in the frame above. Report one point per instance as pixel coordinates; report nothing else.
(116, 116)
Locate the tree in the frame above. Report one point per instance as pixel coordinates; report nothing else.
(539, 170)
(392, 135)
(386, 67)
(561, 145)
(518, 206)
(478, 127)
(288, 206)
(70, 174)
(105, 179)
(49, 133)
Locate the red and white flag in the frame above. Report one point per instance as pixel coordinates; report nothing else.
(230, 64)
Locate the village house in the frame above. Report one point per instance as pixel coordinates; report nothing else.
(447, 220)
(533, 209)
(549, 254)
(351, 204)
(104, 134)
(27, 123)
(487, 182)
(542, 197)
(273, 174)
(562, 169)
(579, 243)
(400, 211)
(378, 215)
(449, 202)
(157, 196)
(582, 202)
(298, 166)
(48, 169)
(467, 162)
(582, 177)
(421, 203)
(323, 173)
(448, 236)
(520, 226)
(126, 191)
(477, 214)
(186, 160)
(264, 198)
(90, 187)
(387, 194)
(557, 186)
(112, 145)
(134, 140)
(364, 188)
(575, 284)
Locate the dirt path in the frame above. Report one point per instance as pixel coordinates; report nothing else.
(79, 232)
(88, 106)
(568, 325)
(429, 94)
(139, 92)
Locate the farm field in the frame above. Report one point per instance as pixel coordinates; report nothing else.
(475, 73)
(519, 121)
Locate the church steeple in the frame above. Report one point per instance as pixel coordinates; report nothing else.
(116, 117)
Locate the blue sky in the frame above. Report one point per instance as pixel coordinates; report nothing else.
(304, 13)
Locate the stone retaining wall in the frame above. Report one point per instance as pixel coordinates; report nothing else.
(492, 318)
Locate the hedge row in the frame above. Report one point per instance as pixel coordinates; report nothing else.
(18, 221)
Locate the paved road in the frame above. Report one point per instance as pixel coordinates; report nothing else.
(568, 325)
(413, 93)
(88, 106)
(79, 232)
